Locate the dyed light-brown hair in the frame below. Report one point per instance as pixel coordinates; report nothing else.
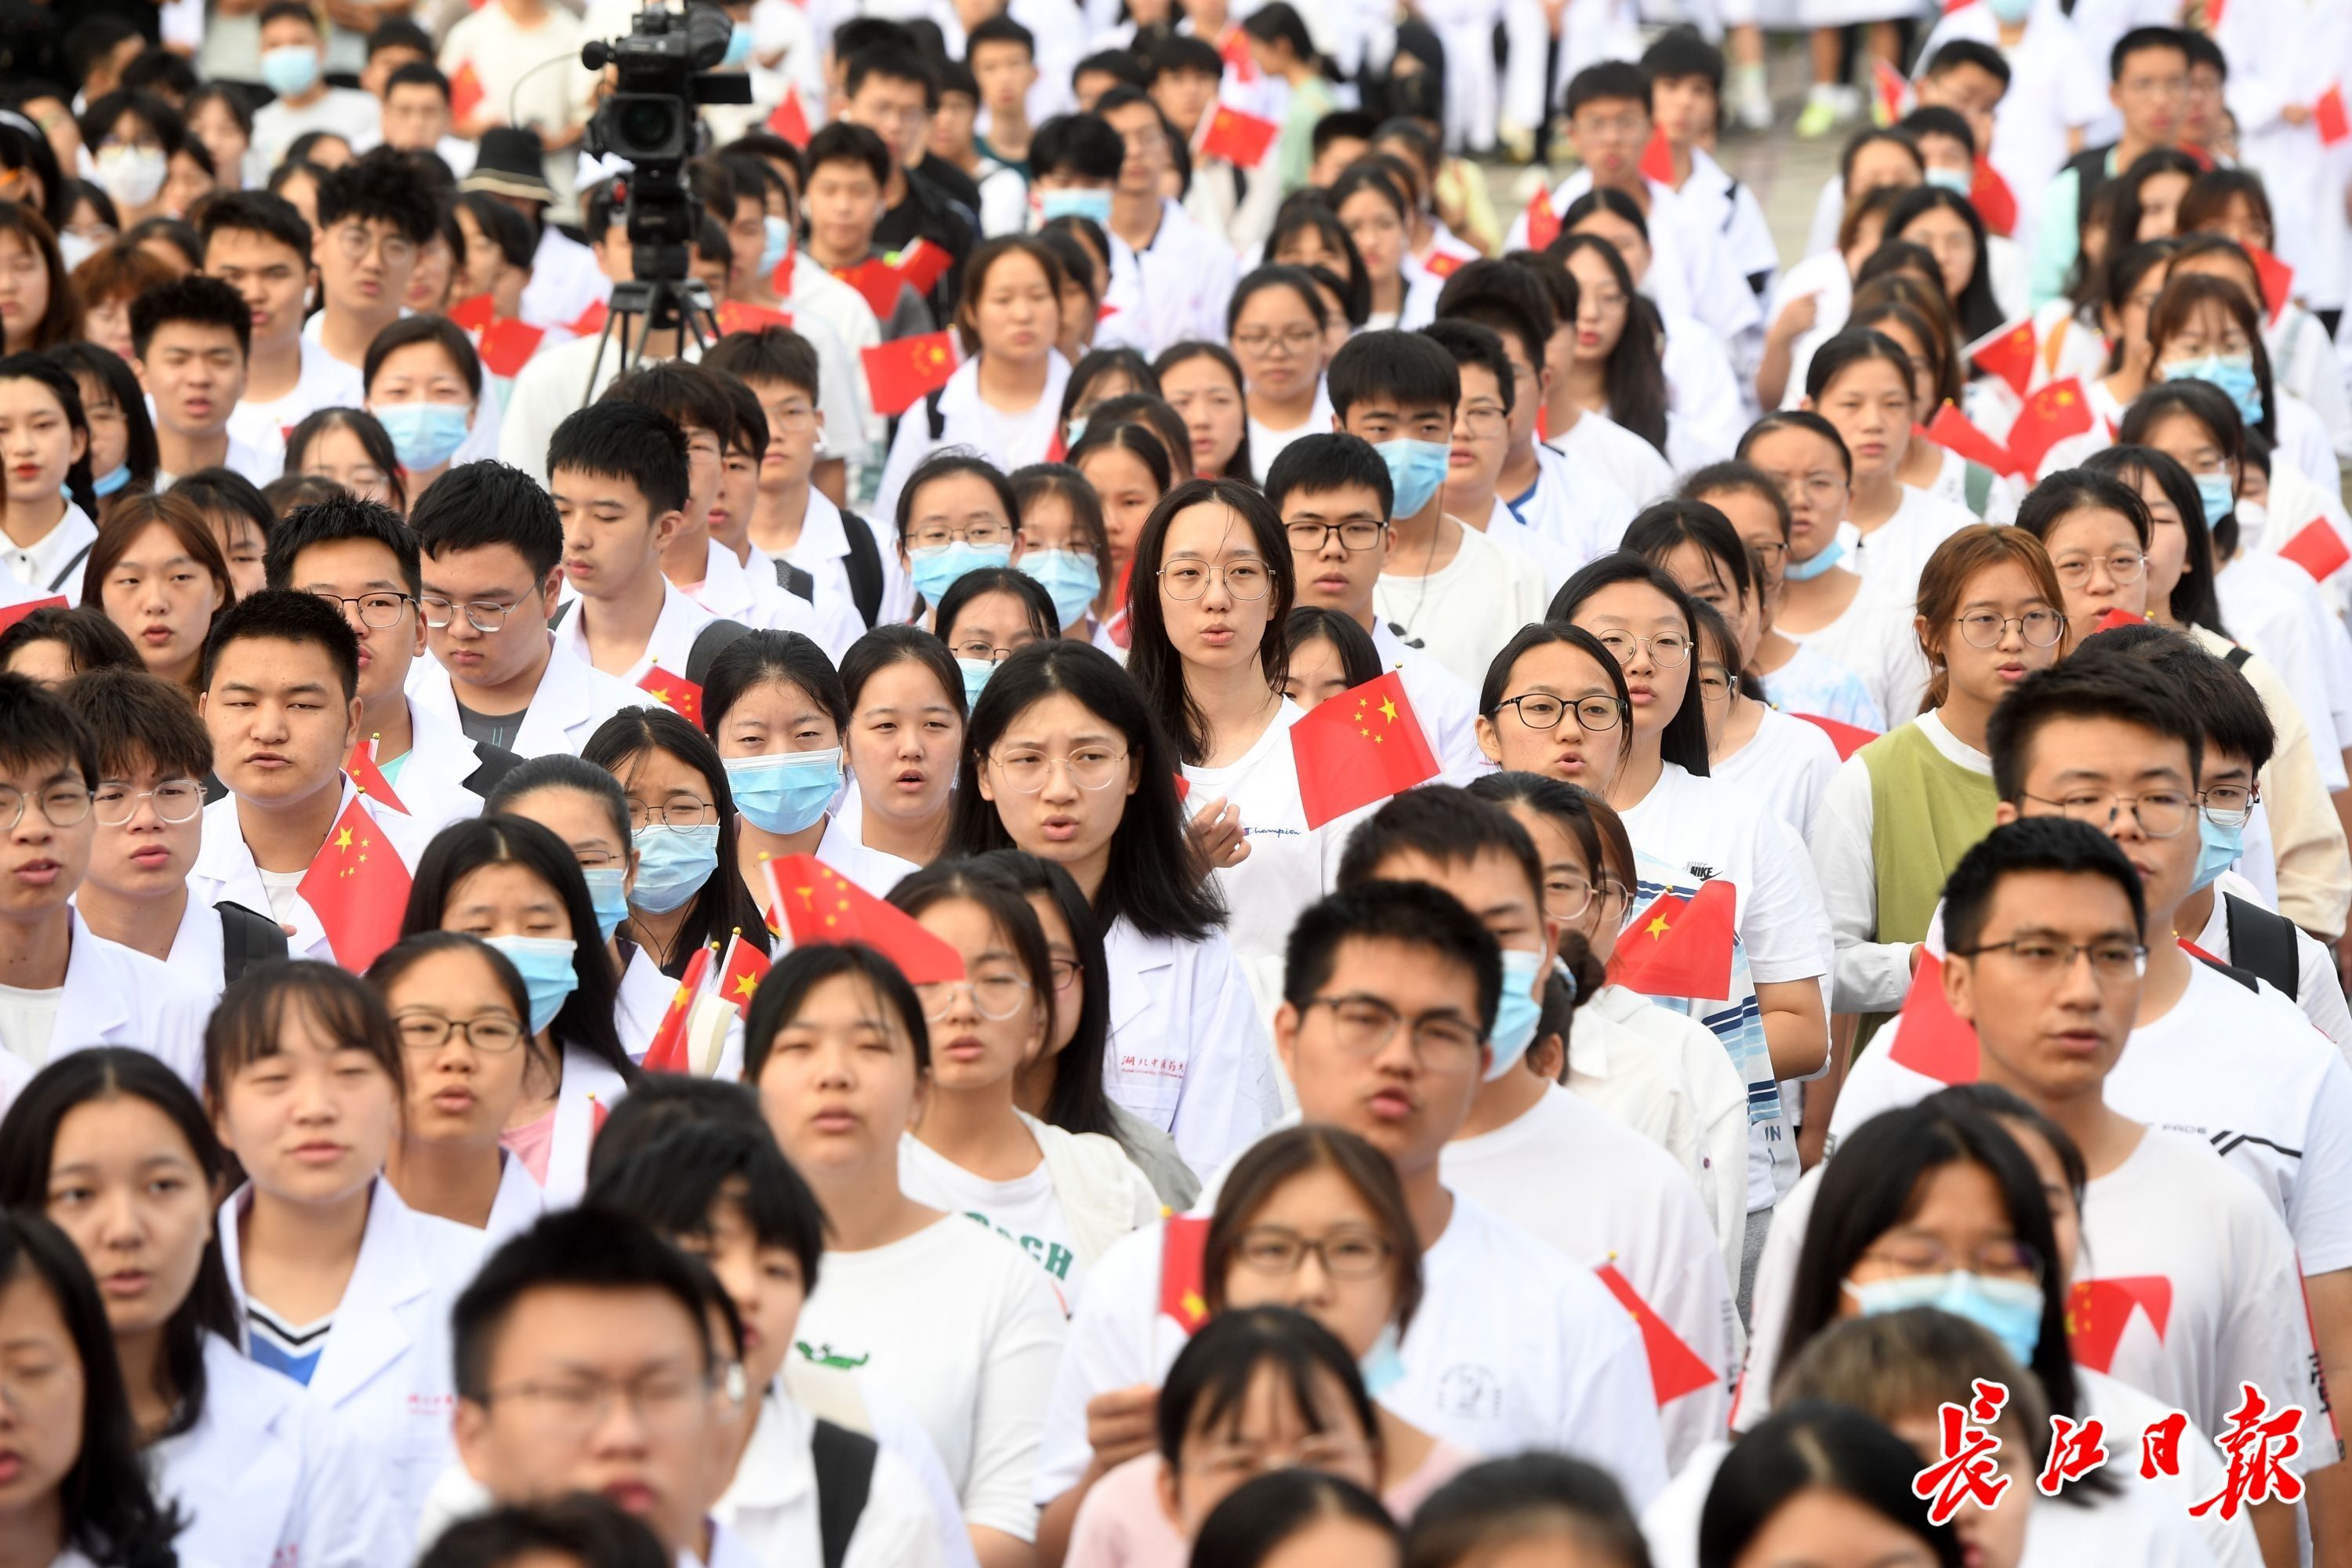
(1944, 587)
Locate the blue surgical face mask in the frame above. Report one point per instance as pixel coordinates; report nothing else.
(935, 573)
(1095, 204)
(2012, 11)
(1072, 580)
(672, 865)
(291, 69)
(777, 241)
(2234, 373)
(1517, 1015)
(1381, 1366)
(608, 893)
(739, 46)
(113, 479)
(2008, 1309)
(424, 435)
(1806, 571)
(785, 793)
(2213, 492)
(2217, 849)
(547, 970)
(1958, 180)
(976, 672)
(1416, 469)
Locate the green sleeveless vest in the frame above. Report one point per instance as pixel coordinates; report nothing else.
(1927, 811)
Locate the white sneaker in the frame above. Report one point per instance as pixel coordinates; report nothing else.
(1748, 98)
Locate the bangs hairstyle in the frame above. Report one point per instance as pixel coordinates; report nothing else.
(1275, 1160)
(1978, 311)
(2184, 295)
(622, 439)
(28, 1138)
(2228, 714)
(107, 380)
(2211, 193)
(394, 962)
(2028, 845)
(983, 262)
(1077, 1101)
(2060, 495)
(758, 657)
(1097, 364)
(1155, 880)
(2195, 601)
(1412, 914)
(946, 880)
(249, 1023)
(60, 322)
(1208, 1385)
(281, 615)
(1534, 1498)
(1666, 526)
(91, 641)
(1544, 634)
(139, 720)
(2081, 688)
(1406, 368)
(678, 1184)
(664, 1103)
(1589, 821)
(1844, 352)
(1444, 824)
(1634, 378)
(1898, 1367)
(1815, 1447)
(2201, 401)
(952, 463)
(1241, 463)
(61, 386)
(478, 505)
(888, 644)
(1152, 658)
(1682, 742)
(1304, 211)
(1037, 613)
(582, 1527)
(1958, 562)
(410, 330)
(365, 429)
(2120, 278)
(132, 516)
(561, 770)
(1943, 372)
(1359, 659)
(1040, 480)
(777, 1003)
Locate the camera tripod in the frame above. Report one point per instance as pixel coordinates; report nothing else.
(680, 305)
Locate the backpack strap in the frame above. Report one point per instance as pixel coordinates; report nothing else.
(794, 581)
(72, 565)
(1976, 485)
(2245, 977)
(246, 938)
(844, 1478)
(938, 421)
(2237, 656)
(2262, 942)
(709, 644)
(864, 567)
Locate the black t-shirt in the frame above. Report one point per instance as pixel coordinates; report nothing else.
(491, 728)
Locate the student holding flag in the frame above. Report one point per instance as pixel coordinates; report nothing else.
(905, 732)
(775, 708)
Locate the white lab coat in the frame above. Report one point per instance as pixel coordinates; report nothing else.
(590, 1091)
(1188, 1052)
(269, 1474)
(116, 996)
(386, 1368)
(225, 867)
(572, 699)
(433, 781)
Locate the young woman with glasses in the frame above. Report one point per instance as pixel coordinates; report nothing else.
(1276, 325)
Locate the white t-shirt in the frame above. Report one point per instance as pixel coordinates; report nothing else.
(326, 382)
(1513, 1348)
(1632, 464)
(1265, 442)
(1812, 683)
(28, 1019)
(1787, 765)
(505, 57)
(1447, 708)
(1889, 557)
(1025, 1210)
(1652, 1226)
(285, 888)
(1463, 613)
(977, 1375)
(353, 115)
(1690, 830)
(1873, 639)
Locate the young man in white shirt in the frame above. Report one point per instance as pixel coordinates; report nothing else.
(1187, 274)
(1390, 993)
(63, 986)
(260, 246)
(1481, 436)
(189, 339)
(417, 110)
(1445, 586)
(492, 551)
(294, 65)
(375, 215)
(1333, 493)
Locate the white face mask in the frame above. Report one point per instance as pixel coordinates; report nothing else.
(133, 175)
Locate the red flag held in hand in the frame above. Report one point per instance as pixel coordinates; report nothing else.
(2318, 548)
(1994, 201)
(665, 1052)
(821, 905)
(1443, 264)
(1183, 1247)
(740, 970)
(876, 283)
(1847, 737)
(1675, 1369)
(903, 371)
(508, 344)
(1241, 140)
(369, 780)
(2007, 353)
(1363, 745)
(789, 120)
(675, 693)
(358, 889)
(1543, 222)
(1680, 947)
(2115, 620)
(2050, 415)
(474, 312)
(2277, 281)
(590, 322)
(1237, 57)
(1955, 432)
(1658, 158)
(2328, 115)
(2098, 1310)
(466, 93)
(1894, 91)
(11, 613)
(740, 316)
(921, 265)
(1928, 1037)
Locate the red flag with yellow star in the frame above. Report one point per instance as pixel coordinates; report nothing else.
(358, 889)
(473, 312)
(1241, 140)
(2050, 415)
(921, 264)
(369, 779)
(2318, 548)
(1994, 201)
(2098, 1310)
(666, 1051)
(821, 905)
(1543, 222)
(506, 345)
(1363, 745)
(903, 371)
(1675, 1369)
(1183, 1245)
(675, 693)
(1953, 431)
(876, 283)
(740, 971)
(2008, 353)
(742, 316)
(1680, 947)
(1930, 1037)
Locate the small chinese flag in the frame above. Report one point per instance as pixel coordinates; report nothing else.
(676, 692)
(1952, 6)
(466, 93)
(1893, 90)
(1543, 222)
(2277, 281)
(1955, 432)
(2115, 620)
(2050, 415)
(369, 780)
(1675, 1369)
(1241, 140)
(1658, 158)
(358, 889)
(1928, 1037)
(1238, 59)
(1994, 201)
(1680, 947)
(2007, 353)
(921, 265)
(2098, 1310)
(740, 316)
(1183, 1244)
(1847, 737)
(740, 970)
(666, 1052)
(1442, 264)
(875, 282)
(2318, 548)
(508, 344)
(1363, 745)
(11, 613)
(789, 120)
(903, 371)
(821, 905)
(2328, 115)
(588, 323)
(473, 311)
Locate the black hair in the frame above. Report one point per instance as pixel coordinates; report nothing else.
(2061, 494)
(1568, 807)
(561, 770)
(1506, 299)
(1501, 1503)
(675, 1184)
(723, 906)
(1275, 275)
(579, 1249)
(625, 440)
(2124, 224)
(480, 504)
(948, 464)
(419, 73)
(1210, 1381)
(1241, 462)
(1096, 364)
(364, 429)
(1079, 263)
(23, 146)
(1036, 603)
(891, 65)
(460, 849)
(664, 1103)
(256, 212)
(2212, 691)
(1077, 145)
(1608, 82)
(2139, 38)
(159, 116)
(999, 29)
(221, 492)
(1935, 119)
(1155, 880)
(757, 657)
(1152, 659)
(1816, 1445)
(508, 230)
(1280, 21)
(394, 962)
(1409, 369)
(29, 366)
(1978, 311)
(113, 375)
(1634, 377)
(90, 40)
(379, 185)
(2031, 844)
(886, 644)
(1684, 739)
(1182, 52)
(330, 522)
(2195, 601)
(1470, 344)
(1841, 353)
(1414, 914)
(771, 353)
(1306, 209)
(301, 149)
(427, 329)
(1668, 523)
(2081, 689)
(777, 1002)
(249, 1023)
(1961, 52)
(1329, 460)
(204, 302)
(1359, 659)
(1259, 1516)
(1445, 824)
(582, 1527)
(1681, 53)
(688, 393)
(1078, 1101)
(1141, 442)
(92, 640)
(279, 614)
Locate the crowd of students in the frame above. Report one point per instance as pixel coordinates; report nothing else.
(625, 946)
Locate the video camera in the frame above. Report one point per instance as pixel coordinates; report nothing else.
(650, 121)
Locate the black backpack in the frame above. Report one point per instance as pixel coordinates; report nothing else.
(708, 643)
(247, 938)
(844, 1478)
(864, 567)
(2262, 942)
